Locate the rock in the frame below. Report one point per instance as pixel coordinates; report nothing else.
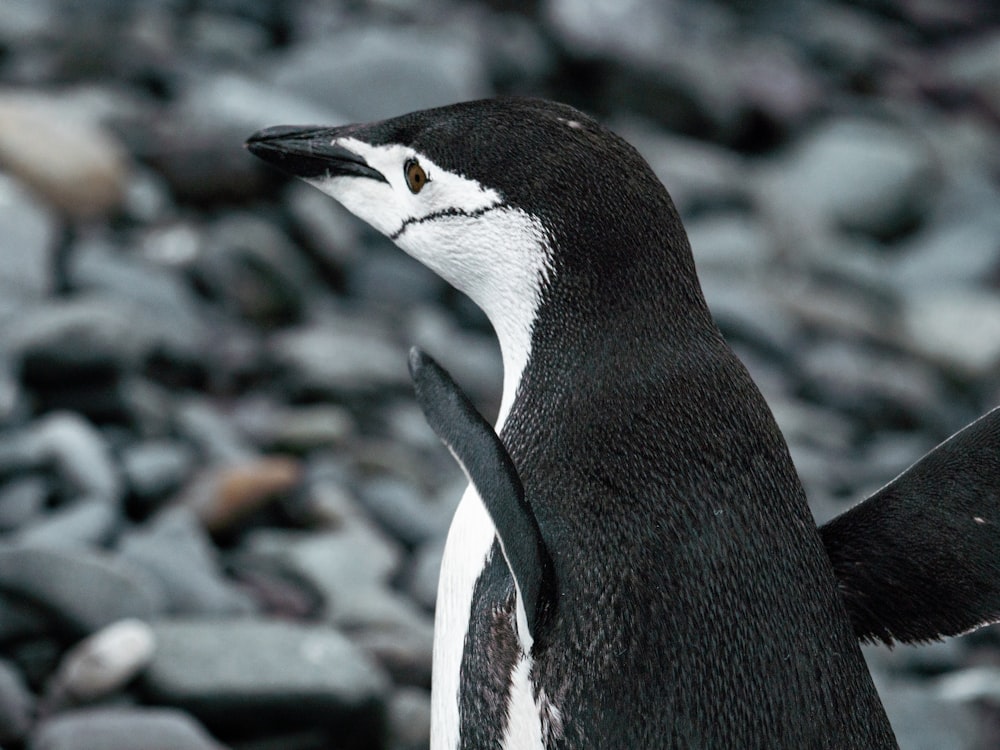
(27, 244)
(425, 571)
(223, 495)
(53, 579)
(924, 721)
(975, 64)
(296, 429)
(327, 359)
(174, 552)
(253, 676)
(84, 523)
(20, 620)
(327, 229)
(70, 445)
(21, 499)
(17, 705)
(199, 421)
(959, 329)
(730, 243)
(386, 278)
(102, 663)
(254, 270)
(79, 168)
(382, 71)
(409, 719)
(856, 174)
(403, 511)
(406, 649)
(116, 728)
(155, 468)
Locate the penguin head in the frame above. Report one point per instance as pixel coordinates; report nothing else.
(506, 199)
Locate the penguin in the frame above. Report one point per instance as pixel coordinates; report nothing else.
(634, 564)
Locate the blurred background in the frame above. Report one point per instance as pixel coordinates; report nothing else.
(221, 513)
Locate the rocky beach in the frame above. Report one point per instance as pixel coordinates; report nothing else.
(221, 511)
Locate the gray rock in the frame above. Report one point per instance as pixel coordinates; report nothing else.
(21, 499)
(729, 243)
(203, 424)
(924, 721)
(386, 278)
(27, 244)
(101, 663)
(383, 71)
(84, 523)
(409, 719)
(425, 571)
(267, 676)
(853, 173)
(976, 64)
(20, 620)
(121, 729)
(175, 554)
(78, 167)
(332, 358)
(81, 590)
(297, 429)
(254, 270)
(959, 329)
(405, 649)
(157, 467)
(328, 229)
(404, 511)
(73, 447)
(17, 704)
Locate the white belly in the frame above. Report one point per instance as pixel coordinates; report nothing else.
(469, 541)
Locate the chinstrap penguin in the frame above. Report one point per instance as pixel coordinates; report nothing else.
(634, 564)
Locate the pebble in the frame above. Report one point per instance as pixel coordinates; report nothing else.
(82, 524)
(409, 719)
(221, 496)
(53, 579)
(17, 704)
(78, 167)
(22, 499)
(115, 728)
(155, 468)
(102, 663)
(27, 244)
(173, 551)
(244, 676)
(957, 329)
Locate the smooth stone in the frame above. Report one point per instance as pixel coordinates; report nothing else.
(297, 429)
(19, 620)
(922, 720)
(200, 421)
(102, 663)
(223, 495)
(409, 717)
(350, 566)
(855, 174)
(959, 329)
(253, 269)
(975, 64)
(155, 468)
(729, 243)
(114, 728)
(403, 511)
(84, 523)
(326, 228)
(406, 649)
(57, 579)
(159, 294)
(73, 447)
(252, 676)
(27, 243)
(385, 70)
(22, 499)
(324, 360)
(17, 704)
(422, 583)
(176, 555)
(385, 278)
(78, 167)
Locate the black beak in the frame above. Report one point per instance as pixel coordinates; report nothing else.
(309, 152)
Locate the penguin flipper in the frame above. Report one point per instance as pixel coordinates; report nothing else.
(920, 559)
(485, 460)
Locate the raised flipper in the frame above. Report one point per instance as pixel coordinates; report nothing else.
(920, 559)
(483, 457)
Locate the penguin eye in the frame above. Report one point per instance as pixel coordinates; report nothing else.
(416, 177)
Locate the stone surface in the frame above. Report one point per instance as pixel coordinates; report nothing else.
(266, 674)
(17, 704)
(27, 244)
(121, 729)
(81, 591)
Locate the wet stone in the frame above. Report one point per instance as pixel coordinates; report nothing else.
(154, 468)
(27, 243)
(83, 524)
(17, 704)
(113, 728)
(53, 579)
(244, 676)
(21, 500)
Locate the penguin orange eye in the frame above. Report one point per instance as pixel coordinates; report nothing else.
(416, 177)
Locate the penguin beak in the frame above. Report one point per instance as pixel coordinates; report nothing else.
(309, 152)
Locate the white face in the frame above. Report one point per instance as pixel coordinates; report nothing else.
(461, 230)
